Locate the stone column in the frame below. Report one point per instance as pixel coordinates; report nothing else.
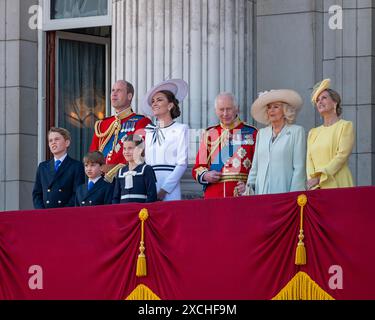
(289, 45)
(208, 43)
(18, 105)
(349, 60)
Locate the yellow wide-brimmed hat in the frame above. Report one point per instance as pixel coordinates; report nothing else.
(177, 86)
(319, 88)
(259, 107)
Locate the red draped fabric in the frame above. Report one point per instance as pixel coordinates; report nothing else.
(237, 248)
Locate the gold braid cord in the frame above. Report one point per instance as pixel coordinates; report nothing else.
(222, 140)
(215, 144)
(104, 137)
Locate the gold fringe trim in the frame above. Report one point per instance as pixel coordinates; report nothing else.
(302, 287)
(142, 292)
(301, 250)
(141, 261)
(113, 172)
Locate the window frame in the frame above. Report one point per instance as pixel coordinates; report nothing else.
(74, 23)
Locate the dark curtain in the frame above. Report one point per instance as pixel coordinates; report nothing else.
(63, 9)
(81, 91)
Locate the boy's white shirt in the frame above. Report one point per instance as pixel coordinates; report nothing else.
(62, 158)
(95, 180)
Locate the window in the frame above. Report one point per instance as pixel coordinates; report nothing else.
(82, 86)
(77, 68)
(64, 9)
(66, 14)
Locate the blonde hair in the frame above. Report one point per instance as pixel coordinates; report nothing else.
(290, 113)
(65, 133)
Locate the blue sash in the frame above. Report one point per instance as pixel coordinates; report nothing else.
(240, 137)
(128, 127)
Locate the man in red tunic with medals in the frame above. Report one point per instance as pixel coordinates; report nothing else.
(226, 151)
(111, 132)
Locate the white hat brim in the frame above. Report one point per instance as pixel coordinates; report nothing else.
(259, 107)
(177, 86)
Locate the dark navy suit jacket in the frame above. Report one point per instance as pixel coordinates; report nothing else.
(57, 189)
(100, 193)
(144, 185)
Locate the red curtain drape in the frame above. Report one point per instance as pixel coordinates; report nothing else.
(238, 248)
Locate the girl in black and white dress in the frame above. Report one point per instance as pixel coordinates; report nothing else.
(136, 181)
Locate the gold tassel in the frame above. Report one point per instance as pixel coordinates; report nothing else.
(141, 261)
(302, 287)
(301, 250)
(142, 292)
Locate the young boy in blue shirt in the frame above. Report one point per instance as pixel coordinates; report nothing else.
(57, 179)
(96, 191)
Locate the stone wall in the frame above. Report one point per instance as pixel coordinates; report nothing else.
(297, 48)
(18, 105)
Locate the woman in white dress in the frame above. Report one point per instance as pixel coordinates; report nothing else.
(166, 142)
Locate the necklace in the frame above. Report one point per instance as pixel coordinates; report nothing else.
(274, 134)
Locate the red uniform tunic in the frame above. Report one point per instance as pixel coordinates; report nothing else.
(110, 133)
(229, 151)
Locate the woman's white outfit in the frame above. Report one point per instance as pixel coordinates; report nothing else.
(166, 150)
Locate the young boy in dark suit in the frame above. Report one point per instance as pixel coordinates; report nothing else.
(96, 191)
(57, 179)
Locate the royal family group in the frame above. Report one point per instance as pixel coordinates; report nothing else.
(132, 159)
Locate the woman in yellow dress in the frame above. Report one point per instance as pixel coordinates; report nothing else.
(330, 145)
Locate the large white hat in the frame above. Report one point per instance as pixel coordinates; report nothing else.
(259, 107)
(177, 86)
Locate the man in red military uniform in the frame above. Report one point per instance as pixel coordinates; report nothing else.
(110, 132)
(226, 151)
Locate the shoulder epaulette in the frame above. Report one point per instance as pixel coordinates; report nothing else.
(212, 127)
(136, 117)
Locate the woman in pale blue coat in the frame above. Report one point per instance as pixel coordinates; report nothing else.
(280, 151)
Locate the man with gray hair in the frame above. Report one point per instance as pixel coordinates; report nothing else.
(111, 132)
(226, 151)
